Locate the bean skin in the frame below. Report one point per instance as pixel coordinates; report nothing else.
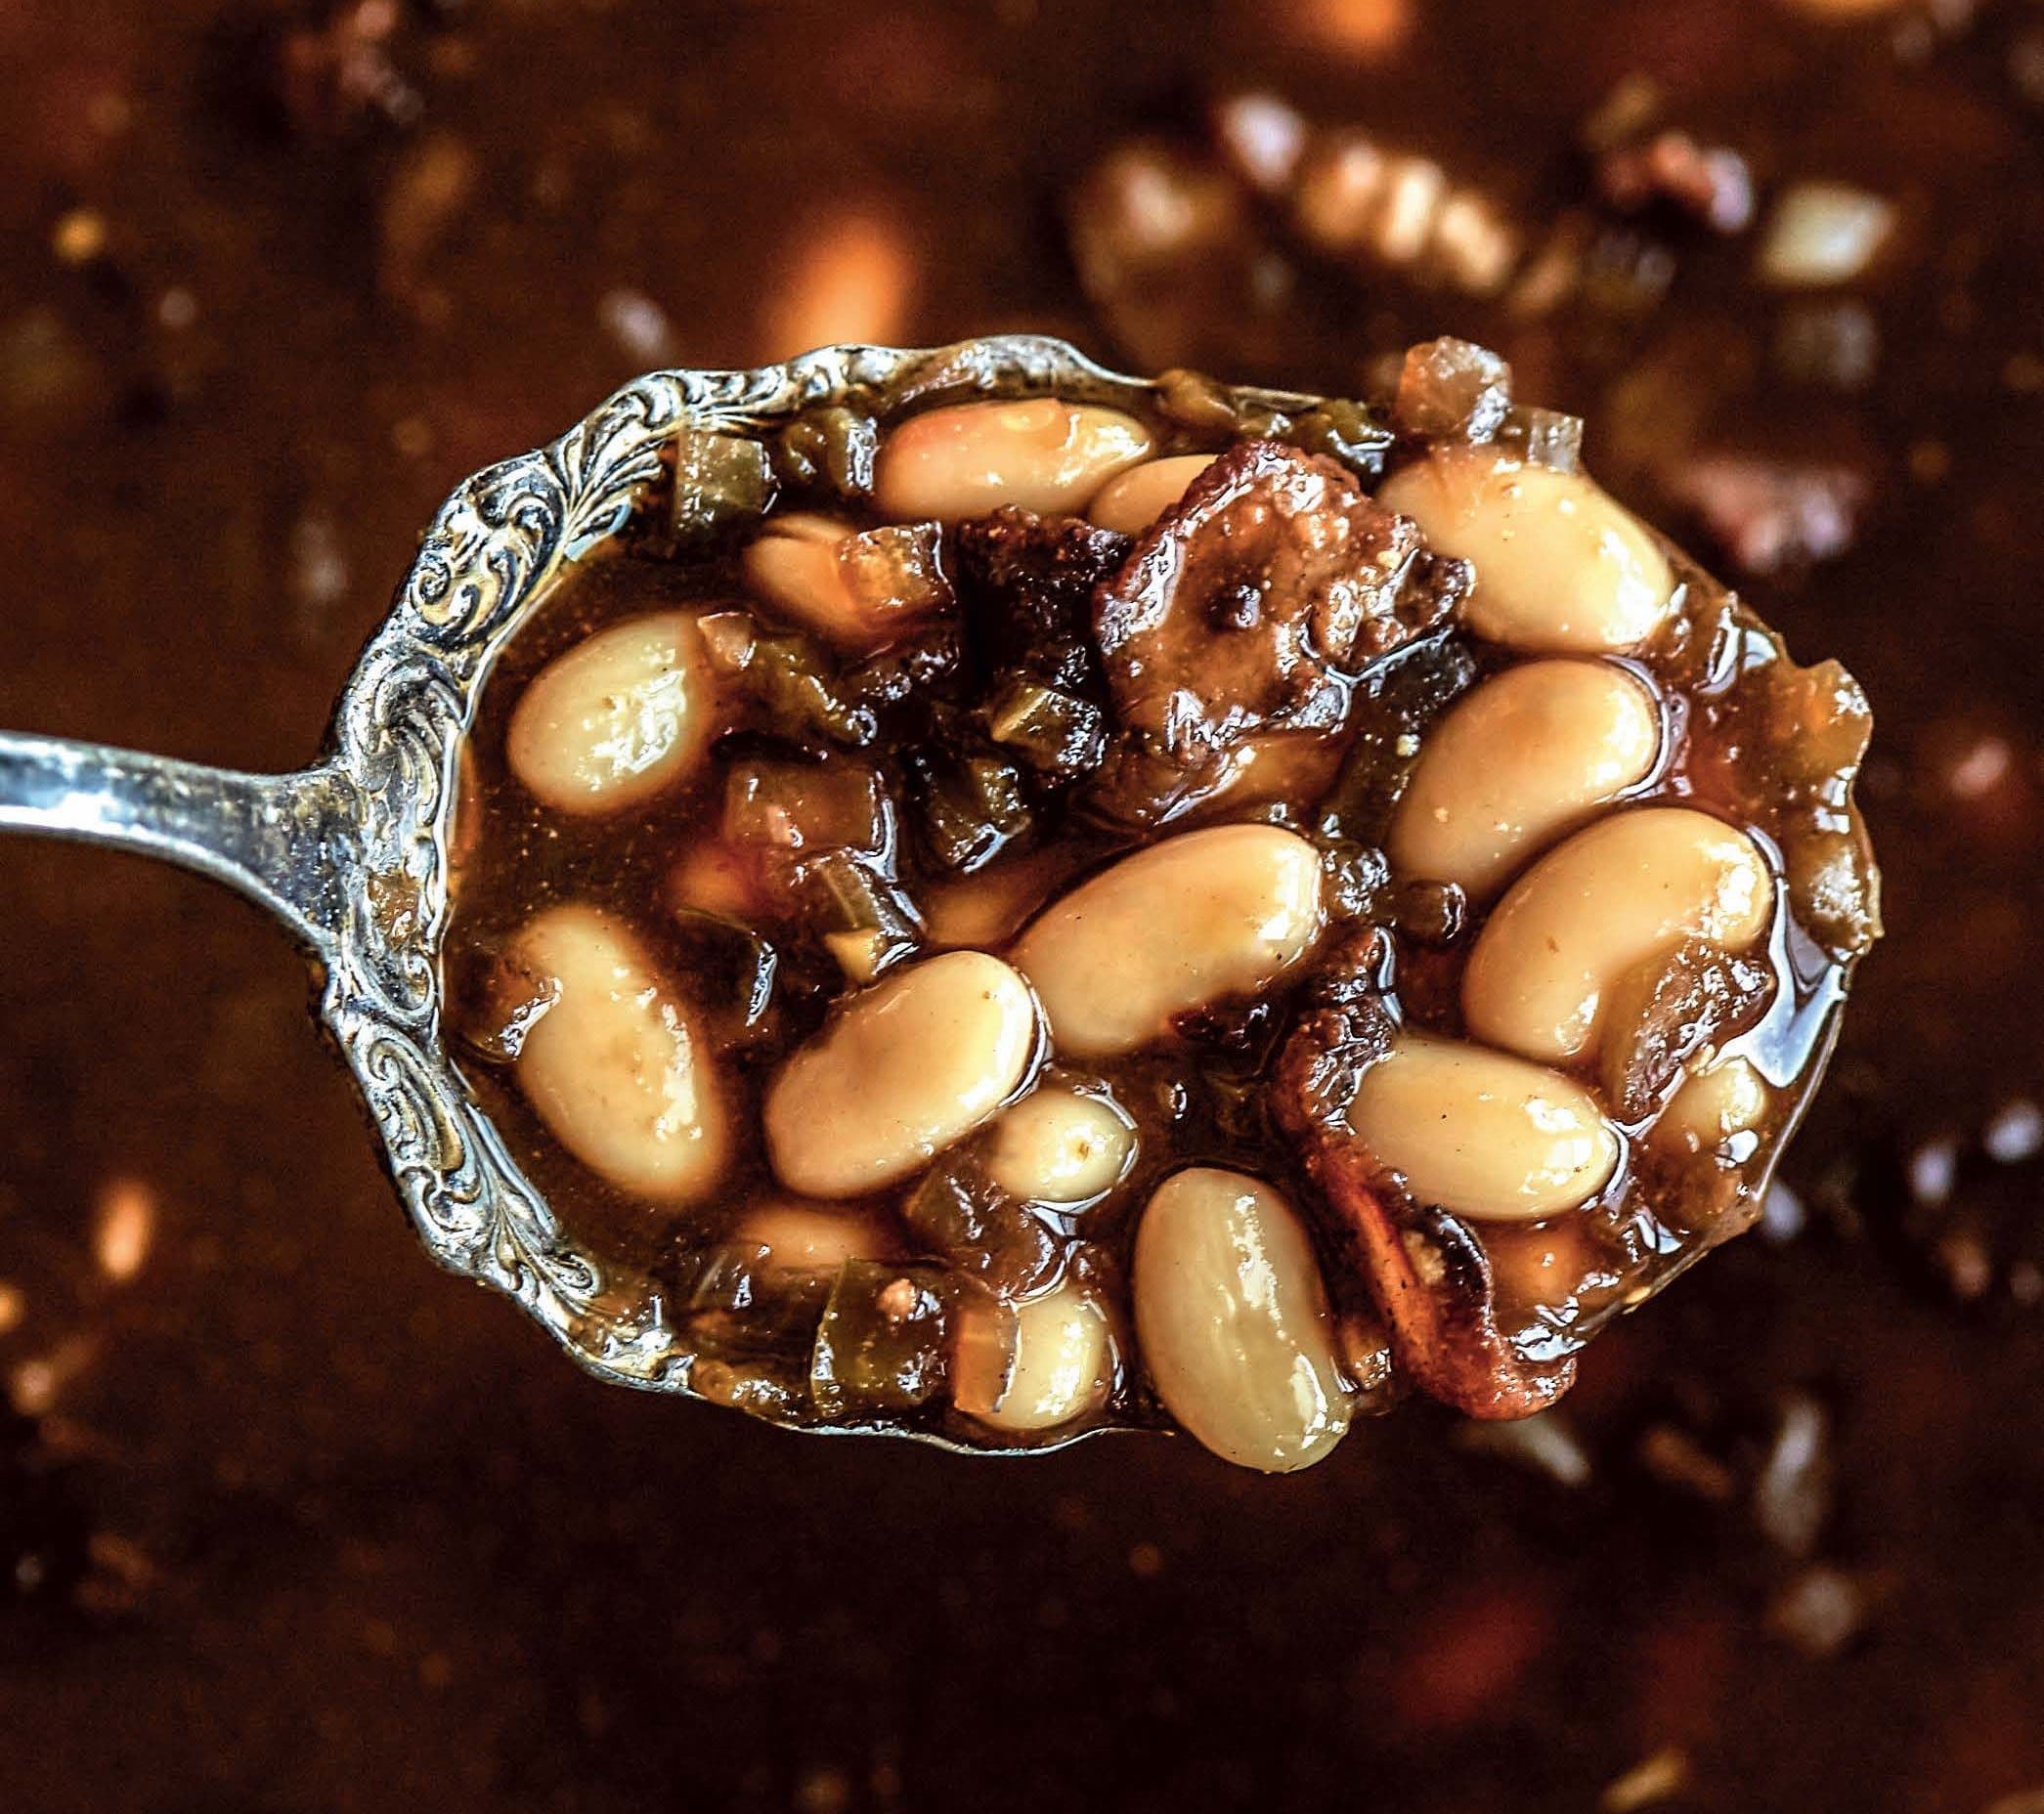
(902, 1071)
(1615, 894)
(1521, 760)
(1232, 1321)
(1559, 567)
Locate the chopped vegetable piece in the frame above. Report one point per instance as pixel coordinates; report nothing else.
(1058, 734)
(972, 808)
(830, 446)
(881, 1345)
(805, 806)
(961, 1214)
(792, 677)
(1450, 388)
(719, 480)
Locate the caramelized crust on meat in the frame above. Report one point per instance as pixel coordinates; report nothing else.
(1428, 1272)
(1248, 609)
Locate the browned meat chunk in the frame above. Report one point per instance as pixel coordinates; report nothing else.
(1428, 1272)
(1248, 609)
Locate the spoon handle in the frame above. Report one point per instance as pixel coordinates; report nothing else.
(285, 841)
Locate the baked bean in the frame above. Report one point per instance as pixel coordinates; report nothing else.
(1560, 568)
(1614, 895)
(856, 591)
(1519, 761)
(1546, 1263)
(1187, 922)
(1031, 1365)
(1132, 501)
(794, 564)
(1711, 1107)
(900, 1072)
(989, 906)
(809, 1237)
(1061, 1146)
(1481, 1133)
(963, 460)
(613, 1066)
(1233, 1320)
(616, 719)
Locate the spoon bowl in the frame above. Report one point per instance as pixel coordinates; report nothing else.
(352, 854)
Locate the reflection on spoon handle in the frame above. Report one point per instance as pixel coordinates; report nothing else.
(285, 841)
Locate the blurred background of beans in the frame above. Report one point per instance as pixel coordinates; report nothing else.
(288, 1521)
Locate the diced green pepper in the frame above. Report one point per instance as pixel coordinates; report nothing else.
(719, 479)
(881, 1345)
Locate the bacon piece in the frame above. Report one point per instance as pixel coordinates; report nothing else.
(1428, 1272)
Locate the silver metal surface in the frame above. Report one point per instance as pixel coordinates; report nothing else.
(352, 854)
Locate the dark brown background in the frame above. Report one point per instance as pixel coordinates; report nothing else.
(288, 1521)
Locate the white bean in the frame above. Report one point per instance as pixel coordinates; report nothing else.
(795, 565)
(1481, 1133)
(1031, 1365)
(1613, 896)
(966, 460)
(809, 1238)
(1061, 1146)
(988, 907)
(855, 590)
(1560, 568)
(1518, 762)
(614, 1066)
(1184, 923)
(1710, 1108)
(618, 718)
(1233, 1320)
(900, 1072)
(1132, 501)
